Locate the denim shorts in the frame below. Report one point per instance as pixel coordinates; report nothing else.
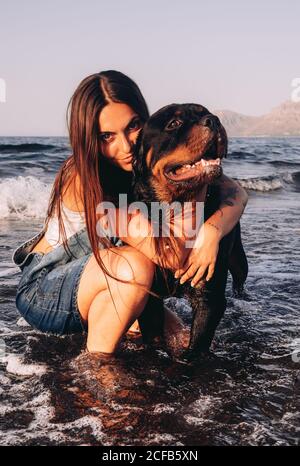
(47, 292)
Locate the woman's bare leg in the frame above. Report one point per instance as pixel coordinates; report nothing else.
(108, 320)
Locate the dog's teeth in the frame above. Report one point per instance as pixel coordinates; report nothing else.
(180, 170)
(207, 163)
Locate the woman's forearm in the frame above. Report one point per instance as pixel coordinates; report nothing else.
(233, 202)
(202, 259)
(139, 234)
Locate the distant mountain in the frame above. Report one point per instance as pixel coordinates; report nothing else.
(283, 120)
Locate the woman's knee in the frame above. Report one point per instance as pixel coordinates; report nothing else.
(125, 263)
(135, 266)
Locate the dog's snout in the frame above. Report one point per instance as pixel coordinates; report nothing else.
(211, 121)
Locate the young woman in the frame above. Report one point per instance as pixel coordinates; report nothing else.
(72, 279)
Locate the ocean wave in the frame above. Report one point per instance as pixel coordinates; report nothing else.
(241, 154)
(28, 196)
(271, 182)
(263, 184)
(24, 197)
(293, 178)
(33, 147)
(284, 163)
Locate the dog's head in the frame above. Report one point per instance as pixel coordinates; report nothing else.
(179, 149)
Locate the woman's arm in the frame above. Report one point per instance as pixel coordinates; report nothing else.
(203, 256)
(233, 202)
(140, 235)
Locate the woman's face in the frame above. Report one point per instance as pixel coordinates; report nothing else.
(119, 127)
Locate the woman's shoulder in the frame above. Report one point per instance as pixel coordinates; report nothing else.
(72, 193)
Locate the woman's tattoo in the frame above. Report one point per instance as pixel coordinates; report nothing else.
(213, 225)
(228, 195)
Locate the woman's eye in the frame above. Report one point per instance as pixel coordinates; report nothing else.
(105, 137)
(173, 124)
(135, 124)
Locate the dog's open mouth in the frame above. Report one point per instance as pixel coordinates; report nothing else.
(208, 163)
(186, 171)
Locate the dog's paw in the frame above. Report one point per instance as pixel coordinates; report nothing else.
(177, 342)
(199, 357)
(240, 293)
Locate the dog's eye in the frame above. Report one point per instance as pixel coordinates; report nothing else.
(174, 124)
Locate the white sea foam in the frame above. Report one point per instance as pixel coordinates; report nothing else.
(23, 197)
(261, 184)
(15, 365)
(42, 424)
(44, 412)
(4, 380)
(59, 432)
(21, 322)
(200, 408)
(162, 439)
(162, 408)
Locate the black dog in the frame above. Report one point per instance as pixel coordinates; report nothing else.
(178, 151)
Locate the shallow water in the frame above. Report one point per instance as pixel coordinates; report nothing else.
(247, 394)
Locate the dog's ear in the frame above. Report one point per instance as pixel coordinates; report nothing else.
(222, 142)
(140, 176)
(139, 156)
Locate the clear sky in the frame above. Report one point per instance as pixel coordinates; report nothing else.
(238, 55)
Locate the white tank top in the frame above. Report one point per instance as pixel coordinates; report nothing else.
(73, 222)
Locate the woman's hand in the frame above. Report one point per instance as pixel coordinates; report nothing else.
(201, 261)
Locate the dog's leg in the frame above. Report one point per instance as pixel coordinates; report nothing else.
(238, 264)
(151, 321)
(209, 303)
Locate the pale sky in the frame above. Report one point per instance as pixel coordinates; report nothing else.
(237, 55)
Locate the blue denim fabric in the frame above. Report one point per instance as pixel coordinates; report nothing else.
(47, 292)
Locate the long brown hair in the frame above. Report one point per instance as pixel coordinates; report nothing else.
(95, 174)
